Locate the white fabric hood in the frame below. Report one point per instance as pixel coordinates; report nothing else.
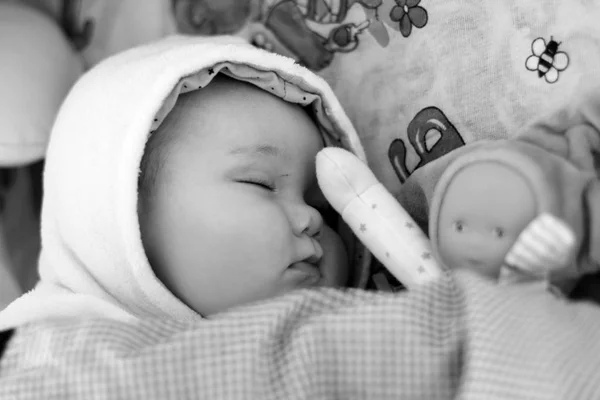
(92, 261)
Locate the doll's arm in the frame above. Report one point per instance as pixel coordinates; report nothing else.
(544, 246)
(376, 217)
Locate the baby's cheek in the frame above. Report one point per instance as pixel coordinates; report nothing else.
(257, 234)
(272, 233)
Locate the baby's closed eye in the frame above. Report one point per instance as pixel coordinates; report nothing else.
(261, 183)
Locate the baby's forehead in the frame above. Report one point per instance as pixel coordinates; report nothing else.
(196, 113)
(227, 109)
(220, 94)
(225, 93)
(226, 99)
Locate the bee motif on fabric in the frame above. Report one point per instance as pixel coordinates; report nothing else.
(546, 59)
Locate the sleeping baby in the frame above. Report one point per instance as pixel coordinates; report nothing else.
(204, 200)
(229, 203)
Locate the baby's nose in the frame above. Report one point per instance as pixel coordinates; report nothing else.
(306, 220)
(315, 223)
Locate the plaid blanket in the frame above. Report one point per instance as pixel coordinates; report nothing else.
(458, 338)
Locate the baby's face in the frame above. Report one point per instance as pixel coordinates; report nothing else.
(484, 210)
(234, 216)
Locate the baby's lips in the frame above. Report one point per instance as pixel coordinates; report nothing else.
(342, 176)
(309, 274)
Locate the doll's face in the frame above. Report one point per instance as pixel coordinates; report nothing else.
(484, 209)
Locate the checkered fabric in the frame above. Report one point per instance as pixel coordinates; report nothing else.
(457, 338)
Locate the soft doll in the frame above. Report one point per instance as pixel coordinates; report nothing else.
(510, 245)
(511, 210)
(495, 211)
(540, 173)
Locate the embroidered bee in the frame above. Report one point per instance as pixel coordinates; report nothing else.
(546, 59)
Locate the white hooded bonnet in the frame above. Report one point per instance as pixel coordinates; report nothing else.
(92, 262)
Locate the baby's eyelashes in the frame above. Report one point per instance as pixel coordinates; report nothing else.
(261, 183)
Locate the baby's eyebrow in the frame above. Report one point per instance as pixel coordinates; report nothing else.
(260, 149)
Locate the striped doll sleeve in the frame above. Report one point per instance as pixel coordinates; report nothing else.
(544, 246)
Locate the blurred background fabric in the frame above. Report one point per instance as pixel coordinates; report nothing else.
(39, 66)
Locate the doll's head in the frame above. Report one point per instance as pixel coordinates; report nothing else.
(483, 202)
(486, 206)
